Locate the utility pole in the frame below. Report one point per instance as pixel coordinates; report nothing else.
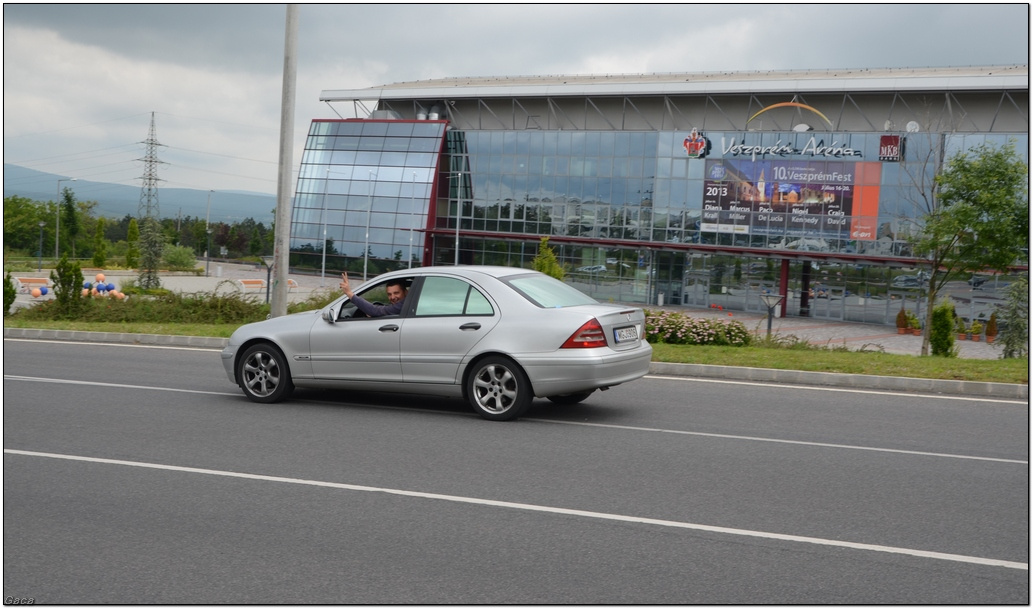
(281, 236)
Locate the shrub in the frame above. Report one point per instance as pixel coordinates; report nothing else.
(941, 332)
(678, 329)
(10, 294)
(902, 320)
(170, 307)
(178, 257)
(1015, 335)
(545, 260)
(68, 285)
(991, 325)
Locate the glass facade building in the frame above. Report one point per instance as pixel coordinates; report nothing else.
(686, 215)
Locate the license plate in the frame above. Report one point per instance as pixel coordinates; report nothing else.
(623, 335)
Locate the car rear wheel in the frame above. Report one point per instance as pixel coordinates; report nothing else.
(263, 374)
(570, 398)
(498, 389)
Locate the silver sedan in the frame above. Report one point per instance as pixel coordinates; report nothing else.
(496, 336)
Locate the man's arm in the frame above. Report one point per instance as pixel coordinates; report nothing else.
(367, 307)
(373, 310)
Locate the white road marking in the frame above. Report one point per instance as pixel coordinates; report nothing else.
(37, 379)
(765, 384)
(557, 422)
(991, 562)
(779, 441)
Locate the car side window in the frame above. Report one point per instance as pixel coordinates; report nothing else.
(376, 294)
(449, 296)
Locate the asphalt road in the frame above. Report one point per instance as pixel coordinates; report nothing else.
(140, 475)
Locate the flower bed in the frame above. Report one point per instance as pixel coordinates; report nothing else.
(678, 329)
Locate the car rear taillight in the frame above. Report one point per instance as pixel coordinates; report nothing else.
(588, 336)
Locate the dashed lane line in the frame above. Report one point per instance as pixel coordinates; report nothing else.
(960, 558)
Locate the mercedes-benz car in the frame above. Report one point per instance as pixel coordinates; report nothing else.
(496, 336)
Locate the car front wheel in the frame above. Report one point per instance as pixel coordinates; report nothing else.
(263, 374)
(498, 389)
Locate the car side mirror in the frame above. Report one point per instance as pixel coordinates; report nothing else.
(330, 315)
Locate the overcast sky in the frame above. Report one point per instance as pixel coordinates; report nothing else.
(81, 81)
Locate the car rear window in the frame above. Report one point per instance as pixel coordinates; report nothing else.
(547, 292)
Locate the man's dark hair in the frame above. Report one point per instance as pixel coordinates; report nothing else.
(397, 282)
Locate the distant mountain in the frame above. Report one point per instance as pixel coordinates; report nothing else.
(118, 200)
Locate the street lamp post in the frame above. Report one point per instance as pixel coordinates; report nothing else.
(57, 224)
(208, 248)
(369, 212)
(208, 251)
(269, 261)
(771, 301)
(39, 263)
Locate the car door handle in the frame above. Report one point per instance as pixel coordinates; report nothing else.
(389, 328)
(470, 326)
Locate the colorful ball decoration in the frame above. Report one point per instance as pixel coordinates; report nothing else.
(85, 292)
(43, 290)
(36, 292)
(87, 285)
(99, 277)
(111, 287)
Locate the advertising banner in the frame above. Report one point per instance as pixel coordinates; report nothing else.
(807, 198)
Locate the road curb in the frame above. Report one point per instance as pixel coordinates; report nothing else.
(200, 342)
(852, 381)
(769, 375)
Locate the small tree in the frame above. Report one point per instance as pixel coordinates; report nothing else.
(152, 245)
(100, 245)
(979, 220)
(1014, 336)
(68, 286)
(941, 330)
(133, 239)
(991, 326)
(10, 294)
(545, 260)
(70, 222)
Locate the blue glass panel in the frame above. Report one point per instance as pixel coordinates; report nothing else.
(368, 158)
(424, 145)
(393, 159)
(375, 128)
(400, 129)
(343, 157)
(428, 130)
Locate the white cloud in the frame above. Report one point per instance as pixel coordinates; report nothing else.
(84, 78)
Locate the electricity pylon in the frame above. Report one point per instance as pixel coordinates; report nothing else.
(149, 192)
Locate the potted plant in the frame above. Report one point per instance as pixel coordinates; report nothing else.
(975, 330)
(991, 327)
(916, 326)
(903, 324)
(959, 327)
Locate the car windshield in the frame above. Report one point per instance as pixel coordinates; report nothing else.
(547, 292)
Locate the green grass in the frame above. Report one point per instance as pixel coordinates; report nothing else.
(850, 362)
(812, 359)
